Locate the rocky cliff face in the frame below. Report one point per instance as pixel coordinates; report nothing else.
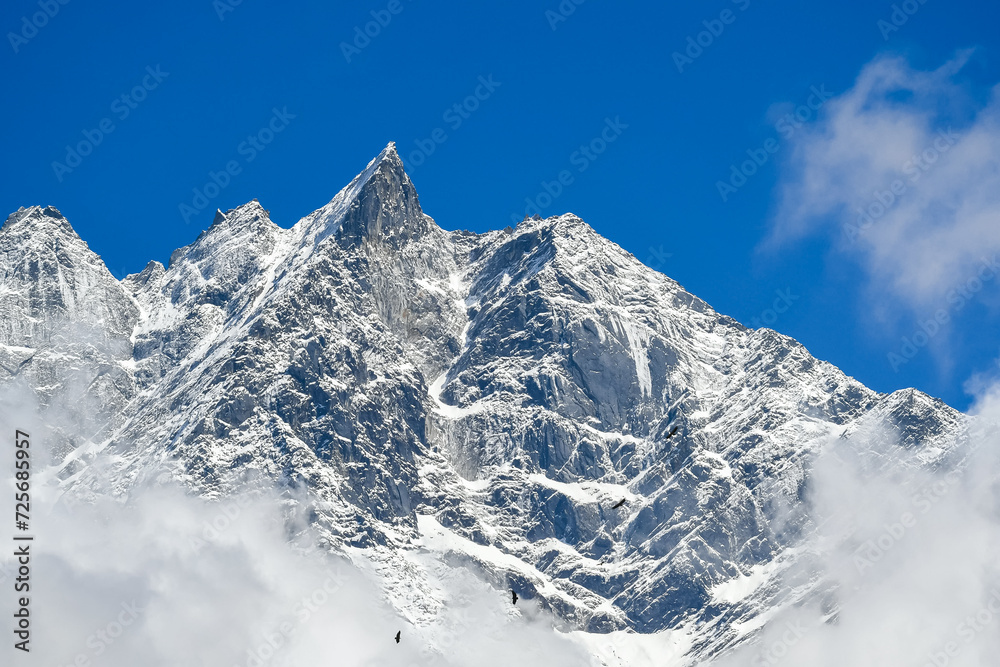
(66, 323)
(488, 398)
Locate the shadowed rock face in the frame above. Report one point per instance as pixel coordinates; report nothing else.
(386, 212)
(489, 398)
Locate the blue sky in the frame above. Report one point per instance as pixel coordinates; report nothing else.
(642, 137)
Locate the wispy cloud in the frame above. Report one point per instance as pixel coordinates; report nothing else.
(903, 169)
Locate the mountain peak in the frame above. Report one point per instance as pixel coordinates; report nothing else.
(249, 213)
(388, 159)
(239, 228)
(386, 207)
(389, 150)
(380, 205)
(47, 217)
(504, 399)
(51, 278)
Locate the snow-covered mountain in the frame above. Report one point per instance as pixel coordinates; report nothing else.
(486, 400)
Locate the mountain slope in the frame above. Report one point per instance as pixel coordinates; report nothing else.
(489, 399)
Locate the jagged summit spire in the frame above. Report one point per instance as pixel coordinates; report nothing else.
(387, 160)
(389, 150)
(379, 205)
(386, 207)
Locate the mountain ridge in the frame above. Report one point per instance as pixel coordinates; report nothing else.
(489, 395)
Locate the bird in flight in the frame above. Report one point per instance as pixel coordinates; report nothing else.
(618, 504)
(397, 635)
(513, 597)
(671, 434)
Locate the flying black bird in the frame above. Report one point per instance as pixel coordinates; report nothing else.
(671, 434)
(618, 504)
(513, 597)
(397, 635)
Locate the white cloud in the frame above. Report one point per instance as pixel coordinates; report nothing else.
(161, 578)
(904, 168)
(906, 554)
(151, 582)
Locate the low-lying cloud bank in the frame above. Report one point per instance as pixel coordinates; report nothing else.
(906, 552)
(164, 579)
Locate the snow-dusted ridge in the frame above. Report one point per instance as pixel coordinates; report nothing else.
(489, 398)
